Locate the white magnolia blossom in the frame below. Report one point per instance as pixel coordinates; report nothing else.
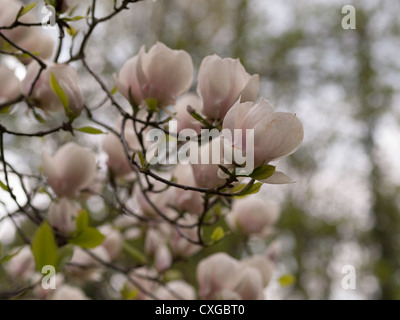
(182, 290)
(68, 292)
(62, 215)
(22, 265)
(221, 82)
(161, 73)
(222, 277)
(276, 134)
(252, 216)
(43, 95)
(9, 84)
(183, 117)
(30, 39)
(118, 161)
(71, 169)
(112, 242)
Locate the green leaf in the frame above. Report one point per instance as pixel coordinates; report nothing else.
(82, 221)
(64, 256)
(71, 31)
(62, 96)
(44, 247)
(199, 118)
(134, 253)
(217, 234)
(142, 160)
(90, 130)
(114, 90)
(25, 10)
(152, 104)
(132, 102)
(37, 116)
(88, 239)
(74, 18)
(250, 189)
(129, 294)
(5, 110)
(287, 280)
(3, 186)
(263, 172)
(52, 3)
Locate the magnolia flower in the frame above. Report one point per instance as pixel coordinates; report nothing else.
(67, 292)
(216, 273)
(43, 95)
(221, 82)
(21, 266)
(62, 215)
(142, 277)
(118, 162)
(206, 172)
(112, 242)
(252, 216)
(161, 73)
(222, 277)
(187, 200)
(263, 264)
(70, 170)
(183, 117)
(276, 134)
(9, 84)
(38, 42)
(9, 10)
(182, 290)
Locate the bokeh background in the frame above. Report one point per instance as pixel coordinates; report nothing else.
(344, 85)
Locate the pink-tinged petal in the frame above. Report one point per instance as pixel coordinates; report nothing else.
(76, 166)
(279, 134)
(250, 284)
(185, 120)
(50, 171)
(250, 91)
(9, 84)
(278, 178)
(236, 115)
(263, 265)
(213, 85)
(127, 80)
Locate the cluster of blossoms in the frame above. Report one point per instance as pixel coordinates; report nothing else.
(156, 214)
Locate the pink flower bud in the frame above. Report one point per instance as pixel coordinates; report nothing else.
(62, 215)
(252, 216)
(118, 161)
(249, 284)
(113, 241)
(264, 266)
(161, 73)
(9, 10)
(276, 134)
(221, 82)
(39, 43)
(21, 266)
(216, 273)
(185, 120)
(67, 292)
(182, 289)
(9, 84)
(162, 258)
(70, 170)
(43, 95)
